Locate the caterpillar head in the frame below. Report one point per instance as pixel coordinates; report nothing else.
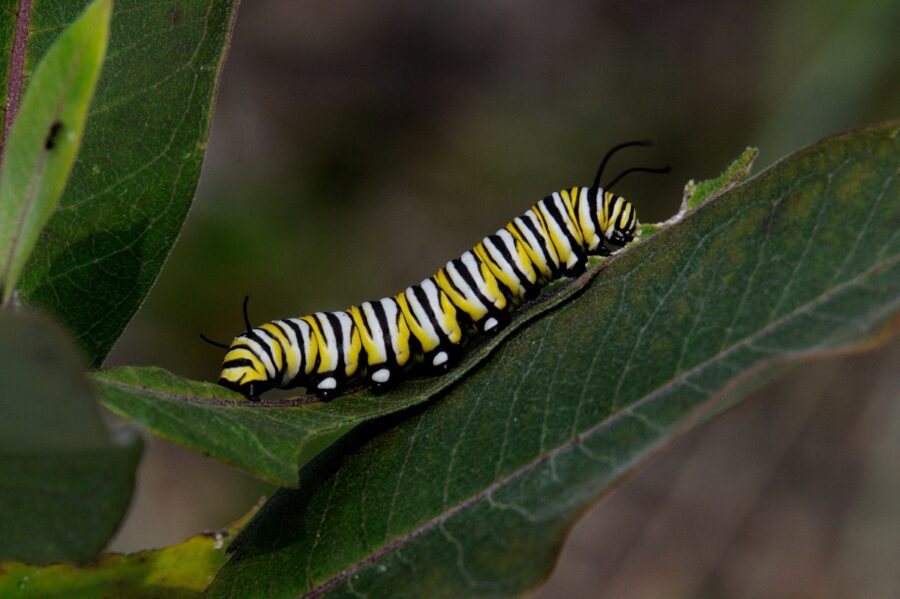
(618, 219)
(244, 369)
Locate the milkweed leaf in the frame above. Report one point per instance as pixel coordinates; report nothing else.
(473, 492)
(66, 480)
(179, 571)
(45, 136)
(274, 439)
(137, 170)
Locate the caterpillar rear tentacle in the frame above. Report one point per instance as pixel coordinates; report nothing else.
(425, 326)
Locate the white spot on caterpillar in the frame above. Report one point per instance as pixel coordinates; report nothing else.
(329, 383)
(490, 323)
(440, 358)
(382, 375)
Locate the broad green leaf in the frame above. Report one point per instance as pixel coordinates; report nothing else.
(179, 571)
(45, 136)
(139, 163)
(472, 494)
(66, 481)
(273, 439)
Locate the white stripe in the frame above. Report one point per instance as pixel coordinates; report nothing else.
(289, 373)
(464, 288)
(501, 261)
(345, 322)
(473, 267)
(260, 353)
(567, 218)
(551, 222)
(331, 347)
(587, 223)
(390, 313)
(536, 246)
(613, 217)
(548, 245)
(375, 329)
(434, 300)
(418, 311)
(511, 245)
(305, 340)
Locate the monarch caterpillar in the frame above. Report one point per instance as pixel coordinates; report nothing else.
(428, 323)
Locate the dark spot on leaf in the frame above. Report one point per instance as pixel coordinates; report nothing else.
(174, 16)
(55, 129)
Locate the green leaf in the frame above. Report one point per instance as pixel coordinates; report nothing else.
(180, 571)
(66, 481)
(696, 193)
(45, 136)
(217, 422)
(473, 494)
(269, 439)
(138, 167)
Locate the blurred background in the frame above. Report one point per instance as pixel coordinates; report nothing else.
(358, 145)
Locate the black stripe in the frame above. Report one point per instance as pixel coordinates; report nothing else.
(497, 242)
(338, 340)
(265, 347)
(279, 369)
(510, 292)
(364, 318)
(236, 363)
(452, 285)
(301, 350)
(554, 212)
(432, 317)
(283, 326)
(314, 339)
(543, 252)
(470, 280)
(543, 236)
(381, 317)
(242, 346)
(594, 211)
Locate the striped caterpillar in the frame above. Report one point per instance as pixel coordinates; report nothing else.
(427, 324)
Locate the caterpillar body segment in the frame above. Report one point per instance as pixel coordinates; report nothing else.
(426, 325)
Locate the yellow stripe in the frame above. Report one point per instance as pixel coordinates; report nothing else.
(402, 349)
(425, 340)
(442, 280)
(524, 260)
(351, 358)
(450, 322)
(511, 283)
(241, 375)
(287, 356)
(374, 353)
(533, 258)
(626, 216)
(316, 343)
(573, 219)
(604, 213)
(551, 247)
(561, 251)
